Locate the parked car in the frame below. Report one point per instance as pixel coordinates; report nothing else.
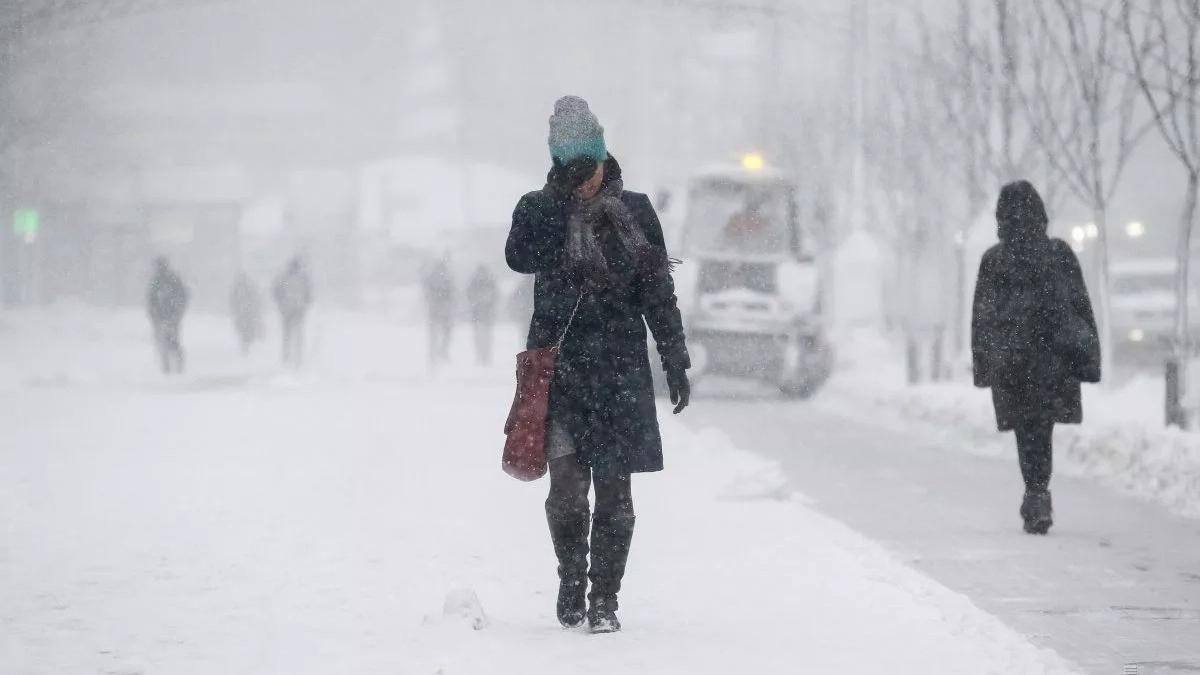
(1142, 297)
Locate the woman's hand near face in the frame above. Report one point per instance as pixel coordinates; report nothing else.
(591, 187)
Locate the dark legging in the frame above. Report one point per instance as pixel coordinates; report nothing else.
(170, 353)
(1036, 454)
(293, 339)
(569, 483)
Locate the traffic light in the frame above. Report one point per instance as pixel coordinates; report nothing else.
(26, 223)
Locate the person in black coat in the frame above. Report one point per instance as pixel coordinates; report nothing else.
(246, 307)
(602, 277)
(1033, 339)
(166, 301)
(293, 296)
(437, 284)
(482, 296)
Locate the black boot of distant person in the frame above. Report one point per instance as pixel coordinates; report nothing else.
(1037, 511)
(1036, 454)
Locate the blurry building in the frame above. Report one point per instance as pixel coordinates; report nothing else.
(169, 141)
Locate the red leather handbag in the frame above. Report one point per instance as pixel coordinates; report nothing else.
(525, 445)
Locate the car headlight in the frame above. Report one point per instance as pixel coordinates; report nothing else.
(1137, 335)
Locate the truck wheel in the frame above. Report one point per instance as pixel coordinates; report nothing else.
(798, 381)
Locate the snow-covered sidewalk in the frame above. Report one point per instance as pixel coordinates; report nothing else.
(1122, 443)
(264, 522)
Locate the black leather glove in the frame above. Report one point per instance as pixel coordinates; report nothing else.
(680, 387)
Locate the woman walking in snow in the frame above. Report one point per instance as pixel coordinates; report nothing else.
(602, 276)
(1033, 339)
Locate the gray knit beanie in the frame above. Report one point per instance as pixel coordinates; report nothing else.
(575, 132)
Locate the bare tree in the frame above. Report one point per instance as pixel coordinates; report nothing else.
(1164, 49)
(977, 63)
(965, 98)
(913, 173)
(1082, 106)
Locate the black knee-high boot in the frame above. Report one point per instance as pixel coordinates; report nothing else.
(611, 536)
(1036, 453)
(569, 532)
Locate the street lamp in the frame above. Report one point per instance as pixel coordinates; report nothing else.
(1135, 229)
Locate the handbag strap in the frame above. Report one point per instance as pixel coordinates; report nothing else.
(562, 338)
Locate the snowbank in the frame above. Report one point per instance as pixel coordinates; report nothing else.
(353, 518)
(1122, 442)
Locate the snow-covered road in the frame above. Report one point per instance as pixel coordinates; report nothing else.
(243, 519)
(1116, 582)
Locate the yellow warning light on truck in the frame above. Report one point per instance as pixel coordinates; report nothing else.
(753, 161)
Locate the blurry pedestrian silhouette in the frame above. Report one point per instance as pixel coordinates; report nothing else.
(293, 296)
(482, 296)
(246, 307)
(166, 301)
(439, 302)
(1033, 339)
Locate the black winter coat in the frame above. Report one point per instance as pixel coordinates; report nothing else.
(1033, 334)
(167, 297)
(602, 390)
(293, 292)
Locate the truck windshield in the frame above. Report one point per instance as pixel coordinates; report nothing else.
(732, 217)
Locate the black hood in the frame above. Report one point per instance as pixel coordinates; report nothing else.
(1020, 213)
